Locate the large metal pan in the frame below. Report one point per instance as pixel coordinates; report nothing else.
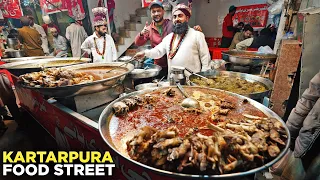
(248, 58)
(23, 67)
(87, 88)
(108, 113)
(11, 60)
(151, 70)
(251, 78)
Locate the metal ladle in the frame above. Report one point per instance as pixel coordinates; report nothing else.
(188, 102)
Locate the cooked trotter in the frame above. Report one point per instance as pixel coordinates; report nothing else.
(273, 150)
(179, 152)
(168, 143)
(169, 133)
(275, 136)
(224, 111)
(259, 140)
(149, 98)
(254, 117)
(140, 101)
(120, 108)
(131, 103)
(215, 128)
(169, 92)
(227, 105)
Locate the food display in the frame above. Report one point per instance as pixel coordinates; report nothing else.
(56, 77)
(226, 135)
(232, 84)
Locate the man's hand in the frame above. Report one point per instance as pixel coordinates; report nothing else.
(197, 28)
(145, 30)
(139, 55)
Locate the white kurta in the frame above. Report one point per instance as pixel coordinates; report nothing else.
(76, 34)
(110, 52)
(193, 52)
(44, 39)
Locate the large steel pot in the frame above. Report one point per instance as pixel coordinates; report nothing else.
(23, 67)
(15, 53)
(108, 113)
(251, 78)
(12, 43)
(87, 88)
(248, 58)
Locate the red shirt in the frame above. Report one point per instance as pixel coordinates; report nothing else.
(155, 39)
(227, 21)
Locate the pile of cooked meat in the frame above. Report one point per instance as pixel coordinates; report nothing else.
(232, 147)
(55, 78)
(232, 84)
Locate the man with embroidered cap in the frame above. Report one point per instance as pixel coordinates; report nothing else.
(184, 47)
(100, 44)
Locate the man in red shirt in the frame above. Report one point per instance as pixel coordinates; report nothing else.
(227, 28)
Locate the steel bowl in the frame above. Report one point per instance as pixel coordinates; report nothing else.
(108, 113)
(151, 70)
(137, 64)
(12, 43)
(249, 77)
(252, 58)
(23, 67)
(87, 88)
(151, 85)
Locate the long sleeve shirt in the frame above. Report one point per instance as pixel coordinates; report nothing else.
(238, 37)
(110, 48)
(60, 43)
(243, 45)
(44, 39)
(193, 52)
(156, 38)
(76, 34)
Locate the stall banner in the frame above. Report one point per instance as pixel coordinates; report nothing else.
(10, 9)
(255, 15)
(75, 9)
(146, 3)
(53, 6)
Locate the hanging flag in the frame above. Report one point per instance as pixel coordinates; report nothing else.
(75, 9)
(10, 9)
(53, 6)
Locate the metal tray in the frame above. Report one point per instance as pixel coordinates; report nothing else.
(11, 60)
(108, 113)
(87, 88)
(254, 59)
(146, 73)
(23, 67)
(251, 78)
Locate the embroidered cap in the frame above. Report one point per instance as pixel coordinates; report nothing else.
(185, 9)
(100, 14)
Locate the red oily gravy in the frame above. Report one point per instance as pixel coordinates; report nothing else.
(123, 128)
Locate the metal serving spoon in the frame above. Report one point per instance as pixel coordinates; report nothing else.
(188, 102)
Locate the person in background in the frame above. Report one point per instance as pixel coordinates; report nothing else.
(46, 27)
(30, 38)
(227, 28)
(185, 47)
(42, 33)
(100, 44)
(76, 34)
(240, 36)
(304, 127)
(156, 31)
(60, 46)
(264, 39)
(239, 27)
(273, 31)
